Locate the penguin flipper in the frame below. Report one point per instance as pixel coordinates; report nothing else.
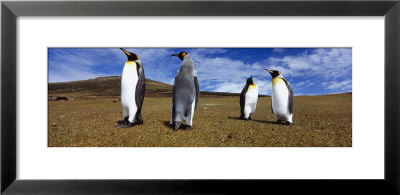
(243, 100)
(140, 89)
(290, 100)
(290, 95)
(139, 95)
(196, 85)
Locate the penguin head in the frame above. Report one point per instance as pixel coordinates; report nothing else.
(250, 81)
(180, 55)
(274, 73)
(131, 56)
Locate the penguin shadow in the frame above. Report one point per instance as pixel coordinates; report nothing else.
(260, 121)
(166, 123)
(120, 122)
(183, 126)
(235, 118)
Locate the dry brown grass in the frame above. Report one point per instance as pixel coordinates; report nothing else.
(318, 121)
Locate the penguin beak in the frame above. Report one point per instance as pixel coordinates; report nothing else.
(268, 70)
(177, 55)
(126, 52)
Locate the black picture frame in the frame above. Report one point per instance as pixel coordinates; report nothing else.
(10, 10)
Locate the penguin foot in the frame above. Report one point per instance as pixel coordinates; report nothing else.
(289, 123)
(126, 121)
(278, 122)
(188, 128)
(140, 121)
(123, 125)
(177, 125)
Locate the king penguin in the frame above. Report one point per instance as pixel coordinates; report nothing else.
(282, 98)
(133, 84)
(185, 93)
(248, 99)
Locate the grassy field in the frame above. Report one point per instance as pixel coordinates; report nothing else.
(318, 121)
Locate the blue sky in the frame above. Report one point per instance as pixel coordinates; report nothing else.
(309, 70)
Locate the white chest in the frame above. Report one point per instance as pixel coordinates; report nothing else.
(128, 82)
(280, 98)
(251, 100)
(252, 94)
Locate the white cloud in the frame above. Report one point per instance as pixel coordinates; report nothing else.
(332, 68)
(83, 63)
(328, 68)
(228, 75)
(65, 73)
(329, 63)
(303, 84)
(343, 85)
(79, 64)
(158, 64)
(229, 87)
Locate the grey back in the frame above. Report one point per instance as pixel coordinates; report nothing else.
(184, 90)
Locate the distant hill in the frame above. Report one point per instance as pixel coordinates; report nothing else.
(104, 86)
(111, 87)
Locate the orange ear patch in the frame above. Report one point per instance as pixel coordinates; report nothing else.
(183, 54)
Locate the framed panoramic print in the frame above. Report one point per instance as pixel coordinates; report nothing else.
(162, 96)
(225, 92)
